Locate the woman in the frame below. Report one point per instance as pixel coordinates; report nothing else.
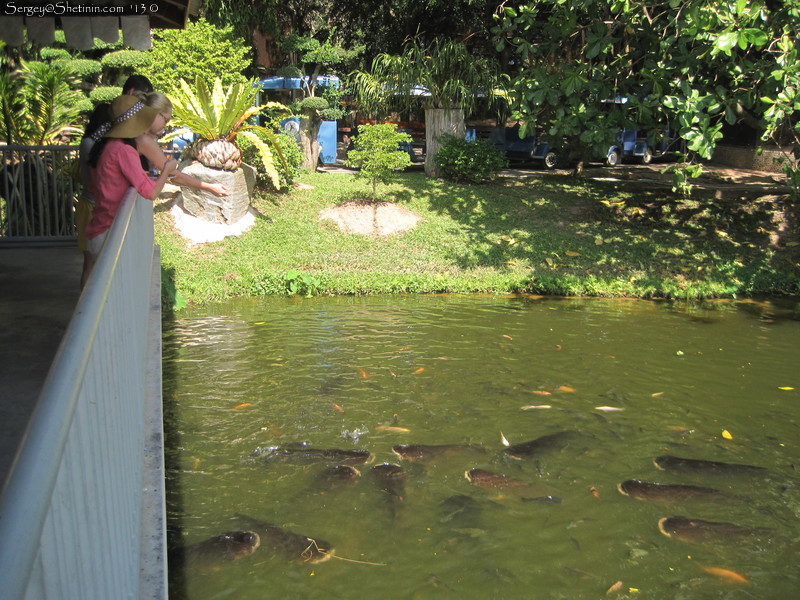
(116, 167)
(147, 144)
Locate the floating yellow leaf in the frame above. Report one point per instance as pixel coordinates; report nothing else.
(393, 429)
(549, 261)
(786, 388)
(572, 253)
(727, 434)
(540, 392)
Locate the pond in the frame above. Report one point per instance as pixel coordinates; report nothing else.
(607, 388)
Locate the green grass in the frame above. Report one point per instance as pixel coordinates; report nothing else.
(544, 235)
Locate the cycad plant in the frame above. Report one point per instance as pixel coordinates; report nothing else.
(219, 116)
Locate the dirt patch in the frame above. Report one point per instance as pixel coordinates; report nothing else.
(371, 218)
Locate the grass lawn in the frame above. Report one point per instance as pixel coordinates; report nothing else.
(549, 234)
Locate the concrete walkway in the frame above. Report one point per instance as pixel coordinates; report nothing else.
(39, 289)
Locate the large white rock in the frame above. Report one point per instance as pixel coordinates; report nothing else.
(217, 209)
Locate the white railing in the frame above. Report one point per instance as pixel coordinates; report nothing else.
(37, 191)
(82, 511)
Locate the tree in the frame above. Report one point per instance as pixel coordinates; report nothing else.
(697, 63)
(199, 50)
(444, 76)
(376, 153)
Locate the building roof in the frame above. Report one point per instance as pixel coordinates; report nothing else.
(84, 20)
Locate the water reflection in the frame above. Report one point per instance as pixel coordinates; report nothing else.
(631, 380)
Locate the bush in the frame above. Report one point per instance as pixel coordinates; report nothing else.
(104, 94)
(49, 54)
(126, 60)
(291, 152)
(83, 67)
(474, 162)
(199, 50)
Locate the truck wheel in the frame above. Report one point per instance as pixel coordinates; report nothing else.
(612, 160)
(550, 160)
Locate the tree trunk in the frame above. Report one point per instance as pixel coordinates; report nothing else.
(309, 144)
(437, 122)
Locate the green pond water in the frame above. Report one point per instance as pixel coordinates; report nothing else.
(715, 381)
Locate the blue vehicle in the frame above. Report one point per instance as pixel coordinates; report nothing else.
(532, 148)
(633, 146)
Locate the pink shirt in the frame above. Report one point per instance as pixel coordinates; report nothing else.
(118, 169)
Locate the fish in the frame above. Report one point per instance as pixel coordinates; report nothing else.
(225, 547)
(294, 546)
(668, 493)
(339, 476)
(460, 509)
(726, 574)
(420, 452)
(488, 479)
(544, 499)
(699, 531)
(303, 452)
(391, 478)
(535, 447)
(675, 463)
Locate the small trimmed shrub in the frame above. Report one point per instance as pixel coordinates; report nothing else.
(126, 60)
(104, 94)
(474, 162)
(83, 67)
(49, 54)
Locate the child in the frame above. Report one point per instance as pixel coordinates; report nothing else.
(117, 167)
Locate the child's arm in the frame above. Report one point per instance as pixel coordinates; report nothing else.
(149, 148)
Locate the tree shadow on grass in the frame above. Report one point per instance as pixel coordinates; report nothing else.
(616, 231)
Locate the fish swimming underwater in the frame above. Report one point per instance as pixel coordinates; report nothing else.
(228, 546)
(534, 448)
(664, 493)
(699, 531)
(390, 478)
(489, 479)
(689, 465)
(293, 545)
(304, 452)
(421, 452)
(338, 476)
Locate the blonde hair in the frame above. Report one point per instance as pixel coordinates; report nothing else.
(158, 101)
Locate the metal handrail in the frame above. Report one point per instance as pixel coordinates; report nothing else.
(27, 493)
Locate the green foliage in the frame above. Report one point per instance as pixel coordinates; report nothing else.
(317, 57)
(478, 161)
(313, 103)
(127, 61)
(226, 114)
(696, 63)
(104, 94)
(376, 153)
(289, 169)
(82, 67)
(38, 104)
(200, 50)
(300, 283)
(49, 54)
(451, 74)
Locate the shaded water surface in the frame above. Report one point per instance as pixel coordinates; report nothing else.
(625, 381)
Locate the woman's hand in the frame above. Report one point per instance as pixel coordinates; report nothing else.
(170, 166)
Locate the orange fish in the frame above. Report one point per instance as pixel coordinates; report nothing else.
(594, 492)
(337, 407)
(508, 337)
(420, 370)
(727, 575)
(565, 388)
(363, 374)
(540, 392)
(243, 405)
(393, 429)
(616, 588)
